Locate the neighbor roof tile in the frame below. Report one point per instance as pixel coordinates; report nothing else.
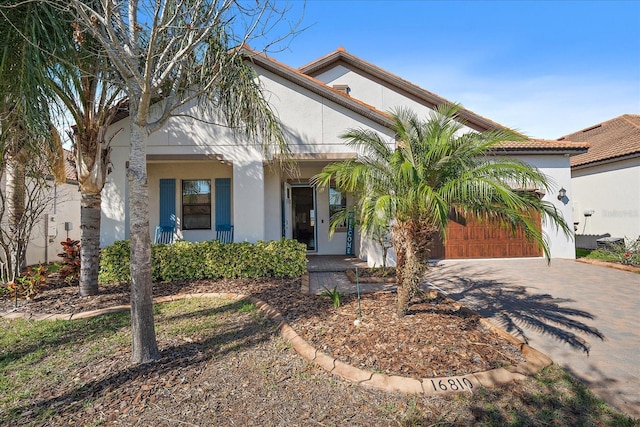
(608, 140)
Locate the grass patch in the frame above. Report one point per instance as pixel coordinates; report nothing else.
(47, 355)
(583, 253)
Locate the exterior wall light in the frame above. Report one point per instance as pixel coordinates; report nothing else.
(562, 193)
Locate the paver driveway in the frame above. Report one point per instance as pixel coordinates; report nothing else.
(561, 309)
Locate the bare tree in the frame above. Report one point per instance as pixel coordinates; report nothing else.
(171, 53)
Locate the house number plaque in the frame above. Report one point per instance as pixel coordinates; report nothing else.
(451, 384)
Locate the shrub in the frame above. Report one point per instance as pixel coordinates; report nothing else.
(114, 262)
(70, 270)
(29, 284)
(209, 260)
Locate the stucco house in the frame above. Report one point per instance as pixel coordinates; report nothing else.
(606, 180)
(203, 177)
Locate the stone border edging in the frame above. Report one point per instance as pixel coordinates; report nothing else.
(613, 265)
(535, 360)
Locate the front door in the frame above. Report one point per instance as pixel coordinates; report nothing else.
(303, 215)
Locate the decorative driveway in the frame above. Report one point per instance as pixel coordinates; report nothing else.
(585, 317)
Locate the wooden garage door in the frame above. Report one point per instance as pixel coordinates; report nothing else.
(480, 239)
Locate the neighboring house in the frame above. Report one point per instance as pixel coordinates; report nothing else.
(606, 180)
(203, 176)
(61, 221)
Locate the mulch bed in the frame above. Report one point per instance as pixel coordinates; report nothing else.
(434, 339)
(372, 275)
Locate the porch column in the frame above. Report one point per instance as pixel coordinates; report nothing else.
(248, 200)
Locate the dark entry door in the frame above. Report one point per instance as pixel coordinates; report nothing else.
(303, 214)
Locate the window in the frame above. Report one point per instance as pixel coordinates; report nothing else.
(196, 204)
(337, 203)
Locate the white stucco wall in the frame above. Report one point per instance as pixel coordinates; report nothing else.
(44, 245)
(612, 192)
(557, 170)
(373, 93)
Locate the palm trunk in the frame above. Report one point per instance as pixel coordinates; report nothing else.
(411, 241)
(91, 164)
(15, 211)
(144, 346)
(89, 243)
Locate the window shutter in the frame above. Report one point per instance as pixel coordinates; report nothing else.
(223, 201)
(167, 202)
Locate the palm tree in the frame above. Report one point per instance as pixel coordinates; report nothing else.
(27, 42)
(435, 174)
(48, 59)
(89, 89)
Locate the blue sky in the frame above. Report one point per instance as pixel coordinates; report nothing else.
(546, 68)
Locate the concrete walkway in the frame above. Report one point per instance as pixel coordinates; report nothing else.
(563, 310)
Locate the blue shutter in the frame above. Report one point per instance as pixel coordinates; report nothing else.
(167, 202)
(223, 201)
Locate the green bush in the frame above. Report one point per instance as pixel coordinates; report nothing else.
(114, 262)
(208, 260)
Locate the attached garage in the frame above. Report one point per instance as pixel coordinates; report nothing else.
(480, 239)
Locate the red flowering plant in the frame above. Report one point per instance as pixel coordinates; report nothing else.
(70, 271)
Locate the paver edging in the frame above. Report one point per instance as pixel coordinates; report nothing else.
(623, 267)
(304, 286)
(535, 360)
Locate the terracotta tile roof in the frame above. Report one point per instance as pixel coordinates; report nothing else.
(70, 166)
(615, 138)
(328, 61)
(543, 144)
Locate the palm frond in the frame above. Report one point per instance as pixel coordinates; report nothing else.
(439, 168)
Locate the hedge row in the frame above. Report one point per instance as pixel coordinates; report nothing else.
(208, 260)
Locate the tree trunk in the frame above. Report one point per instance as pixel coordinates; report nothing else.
(91, 165)
(411, 241)
(89, 242)
(144, 346)
(15, 197)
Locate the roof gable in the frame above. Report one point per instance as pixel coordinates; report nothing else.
(611, 140)
(341, 57)
(317, 87)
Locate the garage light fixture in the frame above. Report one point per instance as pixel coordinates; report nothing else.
(562, 193)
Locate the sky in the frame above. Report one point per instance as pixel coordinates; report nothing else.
(545, 68)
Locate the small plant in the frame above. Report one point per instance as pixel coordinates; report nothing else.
(70, 270)
(29, 284)
(627, 252)
(334, 295)
(247, 307)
